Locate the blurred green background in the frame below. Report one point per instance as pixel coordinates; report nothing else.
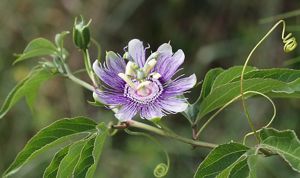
(212, 33)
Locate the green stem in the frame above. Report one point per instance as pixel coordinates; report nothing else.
(88, 65)
(169, 134)
(80, 82)
(77, 80)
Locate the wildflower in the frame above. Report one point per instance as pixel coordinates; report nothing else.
(143, 86)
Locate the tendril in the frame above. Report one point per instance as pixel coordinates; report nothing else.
(161, 169)
(272, 118)
(289, 45)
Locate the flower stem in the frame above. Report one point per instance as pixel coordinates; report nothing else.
(77, 80)
(170, 135)
(88, 65)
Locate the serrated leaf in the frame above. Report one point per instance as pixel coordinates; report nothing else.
(193, 109)
(252, 161)
(281, 74)
(37, 48)
(227, 172)
(98, 147)
(51, 170)
(229, 75)
(285, 143)
(27, 87)
(90, 154)
(48, 136)
(209, 80)
(240, 170)
(225, 93)
(68, 163)
(219, 159)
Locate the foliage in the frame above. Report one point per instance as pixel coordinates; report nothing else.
(79, 141)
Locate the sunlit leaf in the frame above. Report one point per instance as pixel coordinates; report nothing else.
(219, 159)
(209, 80)
(229, 75)
(225, 93)
(37, 48)
(49, 136)
(52, 169)
(27, 87)
(68, 163)
(285, 143)
(98, 147)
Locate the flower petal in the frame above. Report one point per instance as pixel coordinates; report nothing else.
(180, 85)
(127, 112)
(111, 98)
(109, 77)
(173, 105)
(165, 48)
(115, 62)
(167, 65)
(137, 52)
(151, 111)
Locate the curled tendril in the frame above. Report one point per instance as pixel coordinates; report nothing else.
(289, 45)
(161, 169)
(289, 41)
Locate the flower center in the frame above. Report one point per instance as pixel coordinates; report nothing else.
(145, 94)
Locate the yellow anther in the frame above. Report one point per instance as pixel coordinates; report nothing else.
(149, 66)
(131, 69)
(155, 75)
(126, 79)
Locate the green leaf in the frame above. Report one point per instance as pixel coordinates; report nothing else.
(52, 169)
(225, 93)
(98, 147)
(68, 163)
(192, 110)
(27, 87)
(240, 170)
(219, 159)
(252, 161)
(285, 143)
(229, 75)
(59, 39)
(209, 80)
(49, 136)
(227, 172)
(37, 48)
(281, 74)
(90, 154)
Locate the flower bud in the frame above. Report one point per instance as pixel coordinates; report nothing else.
(81, 33)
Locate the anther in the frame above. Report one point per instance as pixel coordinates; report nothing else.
(155, 75)
(149, 66)
(126, 79)
(131, 69)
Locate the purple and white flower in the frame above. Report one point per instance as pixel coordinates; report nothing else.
(141, 86)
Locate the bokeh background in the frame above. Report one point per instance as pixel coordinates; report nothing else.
(212, 33)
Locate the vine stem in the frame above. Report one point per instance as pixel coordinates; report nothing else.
(77, 80)
(88, 65)
(242, 77)
(161, 132)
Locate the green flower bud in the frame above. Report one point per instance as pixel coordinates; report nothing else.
(81, 33)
